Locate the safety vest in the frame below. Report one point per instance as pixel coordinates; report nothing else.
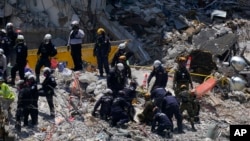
(6, 92)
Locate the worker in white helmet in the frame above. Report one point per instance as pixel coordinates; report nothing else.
(21, 59)
(12, 36)
(75, 44)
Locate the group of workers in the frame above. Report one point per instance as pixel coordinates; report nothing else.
(117, 100)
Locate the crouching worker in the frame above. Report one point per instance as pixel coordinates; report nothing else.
(162, 122)
(47, 89)
(118, 111)
(147, 114)
(106, 102)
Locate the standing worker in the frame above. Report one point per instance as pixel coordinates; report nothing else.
(121, 51)
(45, 51)
(21, 59)
(101, 51)
(181, 76)
(75, 44)
(3, 65)
(12, 35)
(160, 73)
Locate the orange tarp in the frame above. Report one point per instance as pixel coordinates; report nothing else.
(205, 87)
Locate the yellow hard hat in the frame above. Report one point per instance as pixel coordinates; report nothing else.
(183, 86)
(100, 31)
(122, 57)
(147, 96)
(182, 59)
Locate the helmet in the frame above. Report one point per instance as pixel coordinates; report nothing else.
(20, 37)
(182, 59)
(107, 91)
(1, 51)
(100, 31)
(3, 31)
(183, 86)
(120, 66)
(122, 45)
(31, 76)
(47, 37)
(157, 63)
(46, 70)
(74, 23)
(147, 96)
(9, 25)
(27, 74)
(122, 57)
(20, 83)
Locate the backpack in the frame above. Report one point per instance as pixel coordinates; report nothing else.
(53, 52)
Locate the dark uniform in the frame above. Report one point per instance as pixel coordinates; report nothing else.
(162, 122)
(181, 76)
(157, 95)
(23, 102)
(21, 61)
(116, 80)
(12, 36)
(170, 107)
(48, 86)
(127, 69)
(101, 51)
(105, 110)
(161, 77)
(31, 82)
(115, 59)
(5, 44)
(187, 102)
(45, 51)
(118, 112)
(147, 114)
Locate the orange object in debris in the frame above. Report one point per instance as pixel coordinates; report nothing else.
(54, 63)
(206, 86)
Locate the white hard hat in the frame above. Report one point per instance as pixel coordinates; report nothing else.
(157, 63)
(47, 37)
(107, 91)
(27, 74)
(122, 45)
(3, 30)
(1, 51)
(32, 77)
(20, 37)
(20, 82)
(46, 69)
(74, 23)
(120, 66)
(9, 25)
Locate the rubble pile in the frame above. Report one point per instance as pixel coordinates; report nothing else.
(167, 29)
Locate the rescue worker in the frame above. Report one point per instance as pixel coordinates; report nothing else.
(181, 76)
(106, 102)
(170, 106)
(12, 36)
(6, 98)
(147, 114)
(44, 53)
(118, 112)
(23, 99)
(121, 52)
(101, 51)
(4, 42)
(160, 74)
(3, 65)
(187, 101)
(127, 69)
(21, 59)
(116, 79)
(31, 83)
(47, 89)
(130, 92)
(75, 45)
(26, 76)
(196, 105)
(157, 95)
(161, 121)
